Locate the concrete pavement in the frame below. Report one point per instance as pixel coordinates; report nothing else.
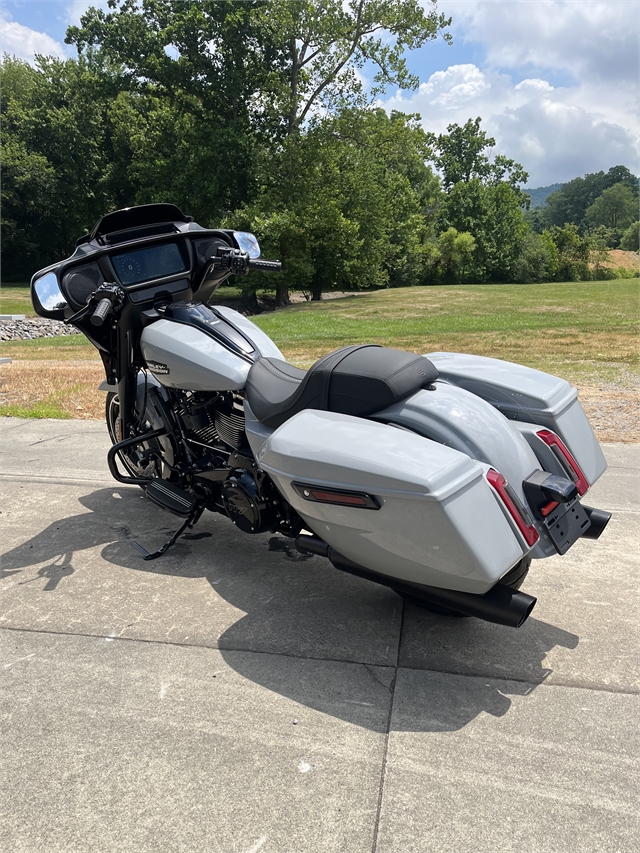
(236, 696)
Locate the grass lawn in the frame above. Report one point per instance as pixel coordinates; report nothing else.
(579, 330)
(15, 299)
(586, 332)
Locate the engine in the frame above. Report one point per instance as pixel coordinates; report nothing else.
(211, 418)
(214, 426)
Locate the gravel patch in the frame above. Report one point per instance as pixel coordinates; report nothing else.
(28, 330)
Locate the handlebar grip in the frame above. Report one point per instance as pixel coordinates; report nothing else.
(102, 311)
(267, 266)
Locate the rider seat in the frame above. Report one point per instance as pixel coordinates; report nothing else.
(357, 380)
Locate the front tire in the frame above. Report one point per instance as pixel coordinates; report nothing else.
(130, 458)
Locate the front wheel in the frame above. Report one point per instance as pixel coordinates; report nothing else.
(514, 578)
(140, 460)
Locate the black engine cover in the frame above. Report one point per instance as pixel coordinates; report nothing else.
(245, 506)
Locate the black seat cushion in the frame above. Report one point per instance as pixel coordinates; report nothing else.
(357, 380)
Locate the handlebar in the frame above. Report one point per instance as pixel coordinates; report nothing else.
(267, 266)
(239, 262)
(101, 313)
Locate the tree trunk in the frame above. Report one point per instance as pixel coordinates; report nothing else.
(250, 301)
(282, 295)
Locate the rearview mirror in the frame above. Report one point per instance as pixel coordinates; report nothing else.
(47, 298)
(248, 243)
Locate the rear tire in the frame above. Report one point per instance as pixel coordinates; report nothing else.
(514, 578)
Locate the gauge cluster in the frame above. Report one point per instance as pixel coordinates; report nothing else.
(142, 265)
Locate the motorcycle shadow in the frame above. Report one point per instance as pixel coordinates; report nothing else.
(327, 640)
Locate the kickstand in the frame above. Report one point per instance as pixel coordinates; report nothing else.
(190, 522)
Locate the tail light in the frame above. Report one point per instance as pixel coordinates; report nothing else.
(562, 452)
(498, 482)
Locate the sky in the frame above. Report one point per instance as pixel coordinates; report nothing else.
(555, 81)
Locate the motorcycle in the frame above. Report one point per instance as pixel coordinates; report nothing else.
(440, 476)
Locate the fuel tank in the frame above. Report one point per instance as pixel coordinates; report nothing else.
(198, 348)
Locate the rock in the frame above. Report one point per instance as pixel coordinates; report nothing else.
(33, 328)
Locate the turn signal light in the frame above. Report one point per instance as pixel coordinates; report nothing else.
(499, 483)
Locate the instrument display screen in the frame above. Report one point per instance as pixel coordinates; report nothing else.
(148, 264)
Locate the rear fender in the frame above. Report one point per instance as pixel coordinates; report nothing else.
(461, 420)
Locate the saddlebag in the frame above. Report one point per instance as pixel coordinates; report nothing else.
(393, 501)
(531, 399)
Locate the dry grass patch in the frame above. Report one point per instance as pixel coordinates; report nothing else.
(620, 259)
(54, 389)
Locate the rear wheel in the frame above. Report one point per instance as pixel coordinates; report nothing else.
(140, 460)
(514, 578)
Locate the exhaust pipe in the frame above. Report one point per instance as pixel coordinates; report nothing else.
(501, 604)
(599, 520)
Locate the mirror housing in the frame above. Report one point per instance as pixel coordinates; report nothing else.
(47, 297)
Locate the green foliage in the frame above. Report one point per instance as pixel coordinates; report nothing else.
(57, 172)
(342, 205)
(539, 195)
(49, 408)
(492, 214)
(573, 253)
(323, 45)
(570, 203)
(453, 256)
(537, 259)
(254, 114)
(616, 208)
(631, 238)
(460, 156)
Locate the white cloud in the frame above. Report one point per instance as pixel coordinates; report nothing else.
(24, 42)
(596, 39)
(557, 141)
(534, 84)
(450, 88)
(556, 133)
(555, 82)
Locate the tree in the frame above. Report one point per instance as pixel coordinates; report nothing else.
(574, 253)
(631, 238)
(58, 169)
(492, 214)
(252, 74)
(343, 204)
(570, 203)
(537, 259)
(615, 207)
(460, 155)
(325, 43)
(454, 255)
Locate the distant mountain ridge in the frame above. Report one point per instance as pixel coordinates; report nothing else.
(539, 194)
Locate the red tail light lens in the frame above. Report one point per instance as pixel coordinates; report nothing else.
(336, 498)
(555, 443)
(339, 497)
(499, 483)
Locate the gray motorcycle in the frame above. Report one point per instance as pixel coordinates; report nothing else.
(441, 476)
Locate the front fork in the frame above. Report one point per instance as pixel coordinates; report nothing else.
(127, 385)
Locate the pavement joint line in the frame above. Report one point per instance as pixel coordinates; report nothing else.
(385, 751)
(193, 646)
(283, 654)
(59, 481)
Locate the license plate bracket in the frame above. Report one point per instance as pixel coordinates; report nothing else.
(566, 524)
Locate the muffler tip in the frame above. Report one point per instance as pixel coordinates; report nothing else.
(525, 607)
(599, 519)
